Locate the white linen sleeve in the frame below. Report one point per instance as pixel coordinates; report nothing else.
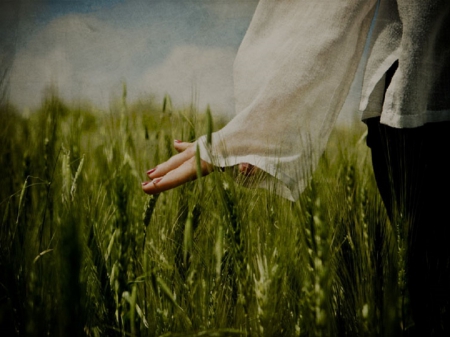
(292, 74)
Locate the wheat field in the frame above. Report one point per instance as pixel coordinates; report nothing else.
(85, 253)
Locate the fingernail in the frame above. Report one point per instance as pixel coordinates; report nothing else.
(151, 170)
(155, 181)
(178, 141)
(145, 183)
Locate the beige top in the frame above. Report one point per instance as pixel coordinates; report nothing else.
(295, 67)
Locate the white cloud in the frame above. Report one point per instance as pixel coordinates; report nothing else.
(89, 58)
(230, 9)
(31, 74)
(189, 71)
(84, 57)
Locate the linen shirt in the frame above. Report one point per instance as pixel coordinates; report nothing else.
(294, 69)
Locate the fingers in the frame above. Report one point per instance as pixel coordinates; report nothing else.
(178, 176)
(184, 173)
(174, 162)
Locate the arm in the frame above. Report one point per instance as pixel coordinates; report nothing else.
(292, 74)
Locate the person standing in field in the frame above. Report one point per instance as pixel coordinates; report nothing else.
(293, 72)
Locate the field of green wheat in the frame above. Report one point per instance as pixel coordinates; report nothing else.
(84, 252)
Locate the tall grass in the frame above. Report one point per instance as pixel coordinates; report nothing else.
(85, 253)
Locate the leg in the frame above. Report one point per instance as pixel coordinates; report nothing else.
(413, 176)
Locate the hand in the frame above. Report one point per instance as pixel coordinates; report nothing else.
(177, 171)
(181, 169)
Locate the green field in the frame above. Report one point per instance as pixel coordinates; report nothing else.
(84, 252)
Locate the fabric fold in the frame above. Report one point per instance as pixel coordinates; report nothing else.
(292, 75)
(295, 67)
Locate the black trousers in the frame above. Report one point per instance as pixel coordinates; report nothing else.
(412, 170)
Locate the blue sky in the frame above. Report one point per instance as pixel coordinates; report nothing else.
(87, 49)
(54, 8)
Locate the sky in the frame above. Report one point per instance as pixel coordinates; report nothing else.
(87, 49)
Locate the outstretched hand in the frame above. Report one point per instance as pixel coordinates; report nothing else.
(180, 169)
